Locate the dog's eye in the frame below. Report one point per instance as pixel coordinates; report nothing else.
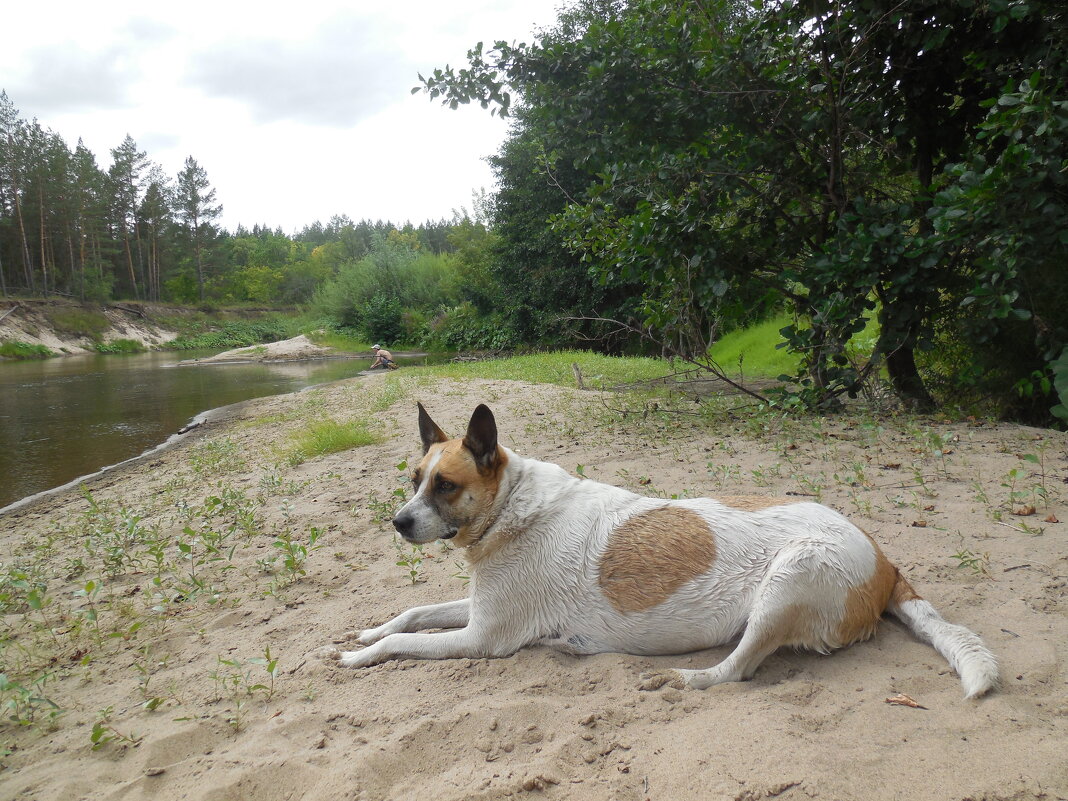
(445, 486)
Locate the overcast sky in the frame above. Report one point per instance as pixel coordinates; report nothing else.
(297, 110)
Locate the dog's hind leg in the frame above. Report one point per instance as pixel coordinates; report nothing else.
(767, 630)
(799, 603)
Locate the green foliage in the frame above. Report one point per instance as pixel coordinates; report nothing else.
(339, 339)
(795, 155)
(372, 294)
(23, 350)
(383, 319)
(463, 328)
(1006, 215)
(119, 346)
(233, 334)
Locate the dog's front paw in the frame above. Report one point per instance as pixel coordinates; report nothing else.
(326, 653)
(371, 636)
(657, 679)
(359, 659)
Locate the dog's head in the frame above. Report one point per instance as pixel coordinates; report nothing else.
(456, 482)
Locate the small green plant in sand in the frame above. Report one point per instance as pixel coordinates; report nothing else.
(978, 564)
(385, 509)
(329, 436)
(25, 703)
(292, 549)
(103, 732)
(410, 558)
(217, 456)
(237, 683)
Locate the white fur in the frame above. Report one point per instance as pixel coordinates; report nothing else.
(541, 584)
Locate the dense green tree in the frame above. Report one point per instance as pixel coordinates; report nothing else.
(127, 170)
(785, 150)
(197, 209)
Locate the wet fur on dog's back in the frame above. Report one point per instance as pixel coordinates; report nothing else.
(588, 568)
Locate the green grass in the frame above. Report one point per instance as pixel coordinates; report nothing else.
(329, 436)
(233, 334)
(755, 346)
(23, 350)
(120, 346)
(338, 340)
(555, 368)
(78, 322)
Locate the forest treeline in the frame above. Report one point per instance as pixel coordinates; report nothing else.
(675, 169)
(69, 226)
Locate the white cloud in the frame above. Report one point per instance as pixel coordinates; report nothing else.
(297, 111)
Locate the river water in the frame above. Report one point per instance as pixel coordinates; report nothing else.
(65, 417)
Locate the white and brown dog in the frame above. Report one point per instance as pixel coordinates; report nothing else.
(589, 568)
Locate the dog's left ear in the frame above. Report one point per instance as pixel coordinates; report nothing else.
(428, 430)
(481, 437)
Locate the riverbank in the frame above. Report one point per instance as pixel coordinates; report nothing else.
(61, 327)
(213, 569)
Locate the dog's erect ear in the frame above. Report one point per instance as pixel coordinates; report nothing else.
(481, 438)
(428, 430)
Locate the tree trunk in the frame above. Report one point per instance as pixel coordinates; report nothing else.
(906, 380)
(130, 264)
(44, 254)
(27, 263)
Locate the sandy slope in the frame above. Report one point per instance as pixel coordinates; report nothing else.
(298, 348)
(540, 723)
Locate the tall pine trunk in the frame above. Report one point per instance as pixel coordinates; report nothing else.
(129, 262)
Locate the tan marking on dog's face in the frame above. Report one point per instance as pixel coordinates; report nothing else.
(456, 491)
(866, 602)
(755, 503)
(651, 555)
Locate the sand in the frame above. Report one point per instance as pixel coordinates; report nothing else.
(541, 724)
(298, 348)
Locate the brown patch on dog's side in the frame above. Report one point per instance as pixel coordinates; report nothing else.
(866, 602)
(756, 503)
(651, 555)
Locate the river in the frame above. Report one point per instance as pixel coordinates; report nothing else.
(66, 417)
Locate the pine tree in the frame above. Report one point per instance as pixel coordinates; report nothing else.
(126, 172)
(197, 209)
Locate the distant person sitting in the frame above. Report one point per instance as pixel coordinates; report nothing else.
(383, 358)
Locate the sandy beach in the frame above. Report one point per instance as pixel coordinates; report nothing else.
(171, 677)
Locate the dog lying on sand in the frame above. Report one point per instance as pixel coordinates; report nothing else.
(588, 568)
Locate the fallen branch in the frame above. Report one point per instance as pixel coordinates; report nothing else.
(9, 311)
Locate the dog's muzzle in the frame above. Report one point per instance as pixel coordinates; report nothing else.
(405, 523)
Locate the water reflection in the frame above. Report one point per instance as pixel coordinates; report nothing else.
(65, 417)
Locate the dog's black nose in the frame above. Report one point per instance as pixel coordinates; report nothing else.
(404, 524)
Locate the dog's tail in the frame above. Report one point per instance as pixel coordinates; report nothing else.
(962, 648)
